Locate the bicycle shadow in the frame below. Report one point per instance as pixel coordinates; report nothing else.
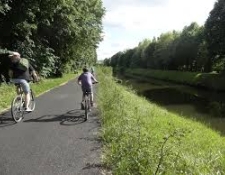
(6, 120)
(70, 118)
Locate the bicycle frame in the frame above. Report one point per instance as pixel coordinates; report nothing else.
(18, 103)
(19, 89)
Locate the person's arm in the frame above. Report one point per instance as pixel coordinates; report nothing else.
(79, 80)
(33, 73)
(94, 79)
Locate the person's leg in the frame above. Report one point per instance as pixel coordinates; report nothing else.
(83, 94)
(90, 90)
(92, 97)
(26, 89)
(27, 100)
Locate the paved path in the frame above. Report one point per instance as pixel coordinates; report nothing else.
(53, 140)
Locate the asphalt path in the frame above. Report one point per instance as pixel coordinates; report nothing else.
(54, 139)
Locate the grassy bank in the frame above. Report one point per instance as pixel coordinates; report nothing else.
(142, 138)
(212, 81)
(7, 93)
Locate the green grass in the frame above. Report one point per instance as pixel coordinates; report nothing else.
(7, 93)
(206, 80)
(142, 138)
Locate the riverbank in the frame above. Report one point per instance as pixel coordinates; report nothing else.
(210, 81)
(7, 92)
(204, 106)
(142, 138)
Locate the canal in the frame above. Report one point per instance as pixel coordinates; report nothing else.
(204, 106)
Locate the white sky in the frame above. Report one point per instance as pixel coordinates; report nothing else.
(127, 22)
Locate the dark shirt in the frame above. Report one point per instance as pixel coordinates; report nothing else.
(21, 74)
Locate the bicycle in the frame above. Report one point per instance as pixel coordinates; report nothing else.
(18, 104)
(87, 103)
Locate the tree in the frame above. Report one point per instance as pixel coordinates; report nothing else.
(215, 33)
(138, 58)
(53, 33)
(186, 51)
(4, 6)
(188, 46)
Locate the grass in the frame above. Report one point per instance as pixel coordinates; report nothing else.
(141, 138)
(7, 93)
(206, 80)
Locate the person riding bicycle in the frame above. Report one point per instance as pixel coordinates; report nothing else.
(85, 80)
(20, 71)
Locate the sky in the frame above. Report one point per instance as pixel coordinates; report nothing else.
(127, 22)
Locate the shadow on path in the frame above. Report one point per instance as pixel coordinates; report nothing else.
(71, 118)
(6, 120)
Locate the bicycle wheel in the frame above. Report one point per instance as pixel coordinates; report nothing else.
(17, 109)
(32, 101)
(86, 109)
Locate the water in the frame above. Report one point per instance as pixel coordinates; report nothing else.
(204, 106)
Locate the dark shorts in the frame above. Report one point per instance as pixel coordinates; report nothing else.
(87, 89)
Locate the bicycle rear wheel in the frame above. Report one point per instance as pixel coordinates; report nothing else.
(32, 101)
(17, 110)
(86, 109)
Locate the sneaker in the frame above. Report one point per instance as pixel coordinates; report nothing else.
(28, 110)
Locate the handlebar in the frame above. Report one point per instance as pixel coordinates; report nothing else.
(95, 82)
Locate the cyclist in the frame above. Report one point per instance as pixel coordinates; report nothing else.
(20, 71)
(85, 80)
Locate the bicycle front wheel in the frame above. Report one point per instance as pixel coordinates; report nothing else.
(17, 110)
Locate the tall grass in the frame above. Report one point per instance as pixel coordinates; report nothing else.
(7, 93)
(142, 138)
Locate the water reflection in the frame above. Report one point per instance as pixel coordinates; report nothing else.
(207, 107)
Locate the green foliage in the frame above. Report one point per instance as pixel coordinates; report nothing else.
(187, 47)
(215, 32)
(7, 93)
(4, 6)
(52, 33)
(142, 138)
(138, 57)
(174, 50)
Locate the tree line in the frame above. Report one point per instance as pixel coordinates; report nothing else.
(195, 48)
(56, 35)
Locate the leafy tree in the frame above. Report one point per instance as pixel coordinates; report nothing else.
(187, 47)
(53, 33)
(138, 58)
(215, 33)
(4, 7)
